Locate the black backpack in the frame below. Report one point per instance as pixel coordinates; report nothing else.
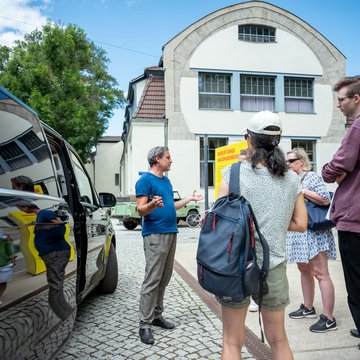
(226, 257)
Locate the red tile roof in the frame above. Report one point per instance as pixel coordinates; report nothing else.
(152, 102)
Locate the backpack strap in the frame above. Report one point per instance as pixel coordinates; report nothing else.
(234, 185)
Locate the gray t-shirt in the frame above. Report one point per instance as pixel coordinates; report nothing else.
(272, 199)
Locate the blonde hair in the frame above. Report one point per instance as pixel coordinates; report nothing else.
(300, 153)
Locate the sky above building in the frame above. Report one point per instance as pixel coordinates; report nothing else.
(133, 32)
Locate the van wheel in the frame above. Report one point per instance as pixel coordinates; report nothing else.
(130, 224)
(109, 282)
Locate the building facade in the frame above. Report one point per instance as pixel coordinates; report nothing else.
(216, 73)
(103, 167)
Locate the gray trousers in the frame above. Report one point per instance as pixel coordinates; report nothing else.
(159, 252)
(55, 273)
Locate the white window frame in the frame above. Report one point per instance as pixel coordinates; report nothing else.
(214, 90)
(298, 95)
(257, 33)
(257, 92)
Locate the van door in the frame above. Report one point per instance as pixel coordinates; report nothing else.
(93, 230)
(31, 318)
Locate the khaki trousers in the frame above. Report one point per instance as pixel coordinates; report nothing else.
(159, 252)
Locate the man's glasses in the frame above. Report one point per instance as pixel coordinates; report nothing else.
(290, 161)
(340, 100)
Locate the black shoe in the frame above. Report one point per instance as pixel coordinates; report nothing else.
(354, 333)
(146, 336)
(303, 312)
(161, 322)
(324, 325)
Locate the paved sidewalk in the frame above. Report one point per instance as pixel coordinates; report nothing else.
(107, 326)
(333, 345)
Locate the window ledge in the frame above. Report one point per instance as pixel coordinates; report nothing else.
(215, 109)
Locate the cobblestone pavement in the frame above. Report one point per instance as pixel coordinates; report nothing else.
(107, 326)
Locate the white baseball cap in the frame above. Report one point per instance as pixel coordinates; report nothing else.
(261, 120)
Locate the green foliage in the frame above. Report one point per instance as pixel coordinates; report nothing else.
(63, 76)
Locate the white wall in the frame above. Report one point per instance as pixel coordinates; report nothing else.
(287, 55)
(185, 170)
(107, 164)
(145, 135)
(234, 121)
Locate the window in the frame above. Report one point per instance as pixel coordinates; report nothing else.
(257, 93)
(214, 143)
(298, 95)
(309, 147)
(117, 179)
(13, 155)
(83, 182)
(35, 145)
(214, 91)
(23, 151)
(257, 33)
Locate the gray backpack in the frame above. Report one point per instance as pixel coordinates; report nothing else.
(226, 257)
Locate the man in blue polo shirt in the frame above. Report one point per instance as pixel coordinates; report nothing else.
(49, 240)
(155, 202)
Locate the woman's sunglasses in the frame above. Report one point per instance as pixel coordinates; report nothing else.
(290, 161)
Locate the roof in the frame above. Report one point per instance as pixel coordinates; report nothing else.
(110, 139)
(152, 102)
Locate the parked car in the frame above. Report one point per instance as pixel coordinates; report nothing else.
(40, 171)
(126, 212)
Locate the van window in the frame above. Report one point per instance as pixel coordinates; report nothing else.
(24, 157)
(85, 189)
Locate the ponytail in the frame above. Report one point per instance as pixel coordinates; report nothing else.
(267, 151)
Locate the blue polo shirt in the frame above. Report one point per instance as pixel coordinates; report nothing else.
(49, 237)
(160, 220)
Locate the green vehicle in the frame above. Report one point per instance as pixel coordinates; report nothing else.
(127, 213)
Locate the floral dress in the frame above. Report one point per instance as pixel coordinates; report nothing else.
(301, 247)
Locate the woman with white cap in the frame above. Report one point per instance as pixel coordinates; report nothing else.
(277, 200)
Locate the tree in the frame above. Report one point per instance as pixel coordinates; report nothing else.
(63, 76)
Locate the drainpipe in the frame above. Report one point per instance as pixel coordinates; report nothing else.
(206, 166)
(166, 132)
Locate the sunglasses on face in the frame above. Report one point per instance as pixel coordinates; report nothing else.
(290, 161)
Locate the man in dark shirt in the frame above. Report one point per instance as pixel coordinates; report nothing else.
(344, 168)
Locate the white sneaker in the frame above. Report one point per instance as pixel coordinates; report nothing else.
(253, 307)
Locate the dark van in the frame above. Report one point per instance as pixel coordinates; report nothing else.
(57, 243)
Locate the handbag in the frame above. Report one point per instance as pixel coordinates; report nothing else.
(317, 216)
(317, 219)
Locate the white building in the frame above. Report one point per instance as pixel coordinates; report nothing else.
(215, 74)
(104, 165)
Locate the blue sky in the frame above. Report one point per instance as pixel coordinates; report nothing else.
(132, 32)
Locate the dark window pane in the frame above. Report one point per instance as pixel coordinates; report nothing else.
(213, 143)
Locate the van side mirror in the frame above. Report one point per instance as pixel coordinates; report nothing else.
(107, 199)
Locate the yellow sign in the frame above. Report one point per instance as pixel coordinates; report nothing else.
(224, 156)
(34, 264)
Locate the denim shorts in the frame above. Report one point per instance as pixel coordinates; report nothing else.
(276, 299)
